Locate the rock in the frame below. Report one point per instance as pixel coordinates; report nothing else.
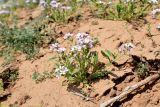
(112, 93)
(103, 86)
(123, 60)
(119, 74)
(138, 96)
(148, 91)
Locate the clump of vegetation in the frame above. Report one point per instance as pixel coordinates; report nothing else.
(61, 12)
(78, 63)
(40, 77)
(123, 10)
(8, 77)
(142, 69)
(25, 40)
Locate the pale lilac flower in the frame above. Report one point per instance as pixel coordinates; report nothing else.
(61, 70)
(76, 48)
(84, 39)
(67, 36)
(127, 47)
(55, 4)
(4, 12)
(81, 35)
(61, 50)
(55, 47)
(154, 12)
(43, 3)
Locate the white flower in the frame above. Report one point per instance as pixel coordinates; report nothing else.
(43, 3)
(127, 1)
(153, 1)
(61, 70)
(54, 46)
(154, 12)
(34, 1)
(27, 1)
(54, 4)
(67, 36)
(100, 2)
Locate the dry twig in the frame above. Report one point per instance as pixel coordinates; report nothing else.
(130, 89)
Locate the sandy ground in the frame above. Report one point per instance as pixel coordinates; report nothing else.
(51, 93)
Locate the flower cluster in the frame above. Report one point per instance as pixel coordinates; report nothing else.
(127, 47)
(61, 70)
(67, 36)
(4, 12)
(57, 48)
(83, 40)
(53, 4)
(154, 12)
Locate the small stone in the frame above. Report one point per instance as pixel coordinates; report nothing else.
(148, 91)
(112, 93)
(138, 96)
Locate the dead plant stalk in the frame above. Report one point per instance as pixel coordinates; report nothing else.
(130, 89)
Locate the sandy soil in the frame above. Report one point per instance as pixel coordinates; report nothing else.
(51, 93)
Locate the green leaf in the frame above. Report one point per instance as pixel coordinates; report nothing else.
(98, 75)
(1, 85)
(96, 58)
(52, 58)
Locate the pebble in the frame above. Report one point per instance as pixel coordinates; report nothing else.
(112, 93)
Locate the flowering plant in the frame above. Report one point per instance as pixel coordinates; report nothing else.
(123, 10)
(58, 11)
(78, 63)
